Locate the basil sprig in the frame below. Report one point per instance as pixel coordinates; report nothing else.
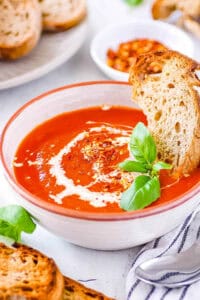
(146, 188)
(14, 220)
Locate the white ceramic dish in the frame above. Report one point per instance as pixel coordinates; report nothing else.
(92, 230)
(171, 36)
(52, 51)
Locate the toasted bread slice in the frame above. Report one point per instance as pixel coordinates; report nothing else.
(76, 291)
(189, 7)
(27, 274)
(20, 27)
(162, 9)
(190, 24)
(59, 15)
(164, 86)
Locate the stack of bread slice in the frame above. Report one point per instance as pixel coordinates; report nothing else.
(165, 85)
(190, 10)
(27, 274)
(59, 15)
(22, 22)
(20, 27)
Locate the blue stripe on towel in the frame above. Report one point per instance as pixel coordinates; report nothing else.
(156, 242)
(184, 292)
(185, 235)
(167, 291)
(137, 256)
(185, 224)
(150, 293)
(141, 252)
(198, 233)
(133, 288)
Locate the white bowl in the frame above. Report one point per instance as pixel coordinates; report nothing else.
(108, 231)
(171, 36)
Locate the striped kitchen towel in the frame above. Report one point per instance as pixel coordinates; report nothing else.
(176, 241)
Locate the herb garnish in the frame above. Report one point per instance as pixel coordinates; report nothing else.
(133, 2)
(14, 220)
(146, 188)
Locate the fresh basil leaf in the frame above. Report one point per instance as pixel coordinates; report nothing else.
(133, 166)
(160, 165)
(8, 230)
(142, 144)
(7, 240)
(142, 193)
(129, 194)
(133, 2)
(14, 220)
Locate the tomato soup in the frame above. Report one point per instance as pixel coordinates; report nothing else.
(72, 160)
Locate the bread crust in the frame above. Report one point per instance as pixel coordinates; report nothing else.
(22, 47)
(189, 7)
(144, 71)
(190, 24)
(53, 24)
(162, 9)
(75, 290)
(28, 274)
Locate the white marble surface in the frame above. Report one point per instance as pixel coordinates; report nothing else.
(108, 269)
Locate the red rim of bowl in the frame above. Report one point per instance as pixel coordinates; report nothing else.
(53, 208)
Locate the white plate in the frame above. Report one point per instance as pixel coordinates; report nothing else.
(52, 50)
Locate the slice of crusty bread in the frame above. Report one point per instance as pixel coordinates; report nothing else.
(190, 18)
(164, 86)
(59, 15)
(76, 291)
(190, 24)
(189, 7)
(20, 27)
(162, 9)
(27, 274)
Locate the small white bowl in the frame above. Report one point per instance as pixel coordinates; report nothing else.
(169, 35)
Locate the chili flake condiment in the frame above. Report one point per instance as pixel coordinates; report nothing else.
(126, 53)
